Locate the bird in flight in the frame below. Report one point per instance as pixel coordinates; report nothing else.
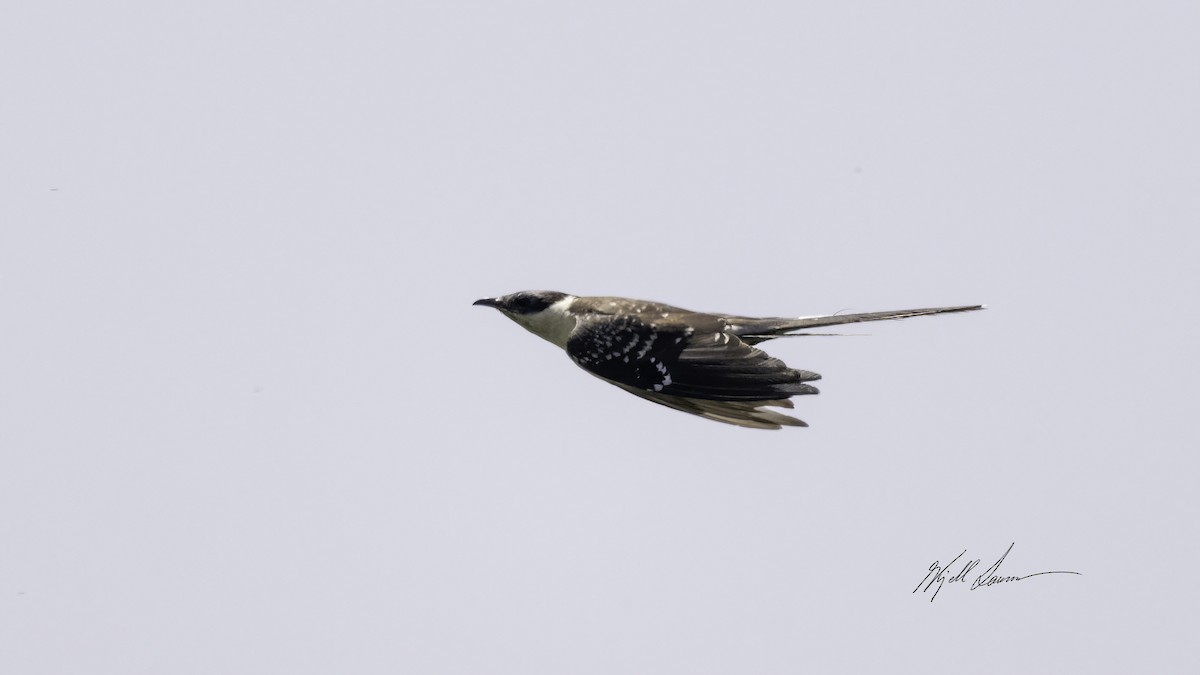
(700, 363)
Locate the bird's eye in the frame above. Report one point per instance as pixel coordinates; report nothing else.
(523, 304)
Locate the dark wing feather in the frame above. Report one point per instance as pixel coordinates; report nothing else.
(714, 375)
(626, 349)
(722, 367)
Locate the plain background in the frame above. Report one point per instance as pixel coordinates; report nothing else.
(251, 423)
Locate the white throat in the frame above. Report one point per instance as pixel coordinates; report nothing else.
(553, 324)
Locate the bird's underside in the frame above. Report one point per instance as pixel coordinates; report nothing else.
(699, 363)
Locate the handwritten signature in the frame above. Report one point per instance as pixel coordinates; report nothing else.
(990, 577)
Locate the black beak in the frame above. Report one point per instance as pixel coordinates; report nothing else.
(488, 302)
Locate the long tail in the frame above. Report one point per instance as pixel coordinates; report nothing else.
(757, 330)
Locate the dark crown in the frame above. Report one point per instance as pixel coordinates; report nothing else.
(530, 302)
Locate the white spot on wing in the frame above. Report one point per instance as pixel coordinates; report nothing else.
(649, 343)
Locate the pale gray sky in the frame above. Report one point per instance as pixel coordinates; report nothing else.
(251, 423)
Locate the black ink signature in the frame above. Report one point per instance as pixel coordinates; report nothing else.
(990, 577)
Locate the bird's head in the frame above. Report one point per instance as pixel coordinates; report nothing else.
(523, 302)
(543, 313)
